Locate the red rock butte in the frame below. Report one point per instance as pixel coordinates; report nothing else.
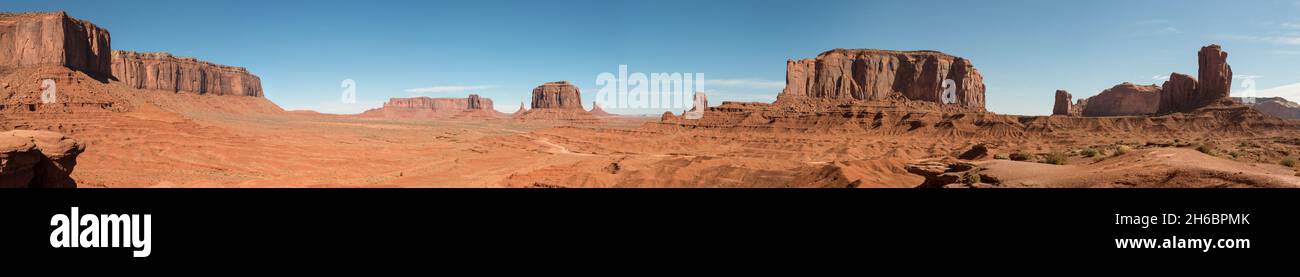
(557, 101)
(557, 95)
(870, 74)
(1180, 94)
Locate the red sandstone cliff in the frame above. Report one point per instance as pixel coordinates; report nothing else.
(1124, 99)
(162, 71)
(1215, 74)
(868, 74)
(44, 39)
(1180, 94)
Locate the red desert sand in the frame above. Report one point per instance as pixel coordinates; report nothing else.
(848, 118)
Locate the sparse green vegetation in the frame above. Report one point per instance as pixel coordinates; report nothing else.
(1205, 149)
(1089, 153)
(1000, 156)
(973, 179)
(1056, 158)
(1288, 162)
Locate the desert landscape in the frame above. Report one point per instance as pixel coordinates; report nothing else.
(847, 118)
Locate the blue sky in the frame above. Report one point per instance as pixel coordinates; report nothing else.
(1026, 50)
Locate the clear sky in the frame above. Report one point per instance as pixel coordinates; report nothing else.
(1026, 50)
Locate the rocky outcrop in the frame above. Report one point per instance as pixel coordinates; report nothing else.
(596, 110)
(947, 173)
(1179, 94)
(1124, 99)
(1215, 75)
(1275, 106)
(428, 107)
(868, 74)
(162, 71)
(557, 101)
(1063, 105)
(37, 159)
(45, 39)
(557, 95)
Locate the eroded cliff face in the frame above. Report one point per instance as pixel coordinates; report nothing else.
(1124, 99)
(1180, 94)
(1063, 105)
(868, 74)
(1215, 74)
(54, 39)
(162, 71)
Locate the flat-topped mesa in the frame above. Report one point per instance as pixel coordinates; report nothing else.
(557, 95)
(1124, 100)
(428, 107)
(869, 74)
(54, 39)
(162, 71)
(557, 101)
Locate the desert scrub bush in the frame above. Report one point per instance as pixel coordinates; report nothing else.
(973, 179)
(1205, 149)
(1000, 156)
(1123, 149)
(1019, 156)
(1056, 158)
(1089, 153)
(1287, 162)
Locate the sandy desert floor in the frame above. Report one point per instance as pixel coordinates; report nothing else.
(156, 148)
(162, 139)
